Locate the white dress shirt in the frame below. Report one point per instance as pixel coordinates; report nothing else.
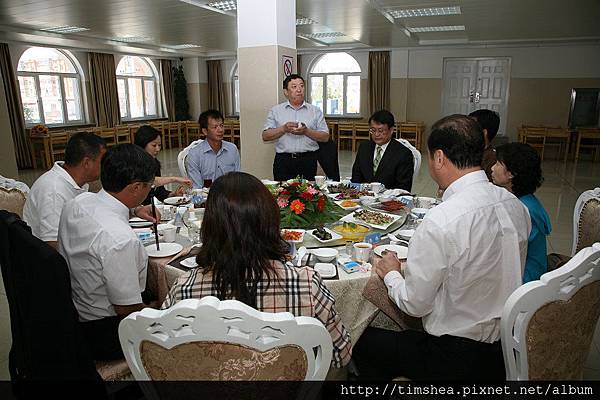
(309, 115)
(464, 260)
(46, 200)
(106, 260)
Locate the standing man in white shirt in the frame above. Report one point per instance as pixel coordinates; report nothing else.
(107, 262)
(66, 180)
(464, 260)
(297, 126)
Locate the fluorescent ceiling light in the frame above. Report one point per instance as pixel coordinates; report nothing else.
(64, 29)
(321, 35)
(424, 12)
(185, 46)
(132, 39)
(228, 5)
(446, 28)
(300, 20)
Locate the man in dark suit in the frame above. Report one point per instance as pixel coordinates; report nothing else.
(383, 159)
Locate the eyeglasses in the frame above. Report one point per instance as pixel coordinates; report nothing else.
(217, 126)
(380, 130)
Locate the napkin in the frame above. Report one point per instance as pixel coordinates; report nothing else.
(376, 292)
(395, 192)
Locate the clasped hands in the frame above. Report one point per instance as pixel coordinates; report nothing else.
(295, 128)
(388, 262)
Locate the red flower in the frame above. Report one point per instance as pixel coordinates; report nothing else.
(321, 203)
(294, 184)
(284, 192)
(297, 206)
(306, 196)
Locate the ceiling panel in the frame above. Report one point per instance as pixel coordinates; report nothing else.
(364, 23)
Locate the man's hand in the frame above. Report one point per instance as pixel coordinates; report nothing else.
(300, 130)
(145, 212)
(389, 262)
(291, 127)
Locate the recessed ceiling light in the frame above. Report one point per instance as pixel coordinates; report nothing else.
(321, 35)
(132, 39)
(65, 29)
(424, 12)
(437, 28)
(185, 46)
(228, 5)
(300, 20)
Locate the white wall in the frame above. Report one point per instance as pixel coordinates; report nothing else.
(559, 61)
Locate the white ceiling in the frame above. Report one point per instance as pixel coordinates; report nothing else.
(363, 23)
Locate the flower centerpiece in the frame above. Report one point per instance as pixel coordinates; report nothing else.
(39, 130)
(303, 205)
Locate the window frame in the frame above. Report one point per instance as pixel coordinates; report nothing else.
(235, 76)
(61, 76)
(143, 79)
(324, 75)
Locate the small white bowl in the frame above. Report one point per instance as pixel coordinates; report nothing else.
(325, 254)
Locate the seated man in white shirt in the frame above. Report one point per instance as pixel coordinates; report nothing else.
(464, 260)
(107, 262)
(66, 180)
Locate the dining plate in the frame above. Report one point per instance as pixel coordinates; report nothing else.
(405, 233)
(296, 232)
(189, 262)
(176, 201)
(350, 218)
(166, 249)
(139, 223)
(334, 235)
(349, 207)
(326, 270)
(401, 251)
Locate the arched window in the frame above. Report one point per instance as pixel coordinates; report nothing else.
(235, 91)
(335, 84)
(136, 85)
(50, 86)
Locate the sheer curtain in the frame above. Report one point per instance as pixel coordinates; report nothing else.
(216, 97)
(166, 77)
(15, 109)
(379, 80)
(103, 81)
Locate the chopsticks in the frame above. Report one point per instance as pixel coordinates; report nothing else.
(155, 224)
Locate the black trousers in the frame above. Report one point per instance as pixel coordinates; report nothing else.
(102, 337)
(382, 354)
(290, 165)
(328, 159)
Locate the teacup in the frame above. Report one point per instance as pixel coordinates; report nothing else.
(168, 232)
(362, 251)
(320, 180)
(376, 187)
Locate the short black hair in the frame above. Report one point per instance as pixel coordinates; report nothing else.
(82, 145)
(288, 78)
(487, 119)
(460, 138)
(125, 164)
(525, 165)
(383, 117)
(203, 118)
(145, 134)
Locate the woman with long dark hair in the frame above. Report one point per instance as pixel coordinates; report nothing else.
(150, 139)
(243, 258)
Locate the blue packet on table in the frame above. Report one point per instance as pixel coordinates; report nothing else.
(373, 238)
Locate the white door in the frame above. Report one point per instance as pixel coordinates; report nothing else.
(474, 83)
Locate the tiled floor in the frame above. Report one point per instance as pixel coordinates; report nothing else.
(563, 184)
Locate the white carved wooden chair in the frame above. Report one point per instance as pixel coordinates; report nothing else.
(211, 340)
(416, 157)
(181, 157)
(547, 326)
(13, 195)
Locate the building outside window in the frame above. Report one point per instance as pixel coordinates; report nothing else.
(334, 85)
(50, 85)
(137, 89)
